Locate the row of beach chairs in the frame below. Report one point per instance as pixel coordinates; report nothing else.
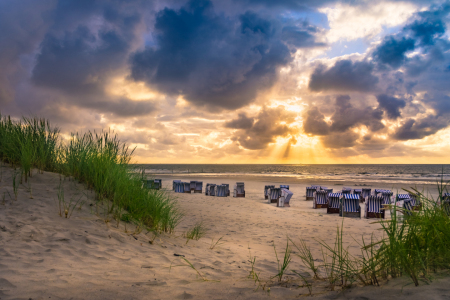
(281, 196)
(346, 203)
(211, 189)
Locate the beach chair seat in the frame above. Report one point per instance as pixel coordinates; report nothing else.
(274, 194)
(349, 206)
(310, 192)
(221, 190)
(374, 207)
(187, 187)
(192, 185)
(174, 183)
(387, 197)
(284, 186)
(239, 190)
(212, 189)
(320, 199)
(286, 195)
(179, 187)
(227, 188)
(266, 191)
(198, 187)
(334, 203)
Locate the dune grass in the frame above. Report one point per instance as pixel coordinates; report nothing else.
(98, 160)
(196, 232)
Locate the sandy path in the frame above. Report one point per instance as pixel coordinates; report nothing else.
(45, 256)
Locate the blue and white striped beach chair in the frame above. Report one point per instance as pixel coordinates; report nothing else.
(212, 189)
(310, 192)
(179, 187)
(287, 195)
(320, 199)
(239, 190)
(187, 187)
(174, 182)
(387, 196)
(274, 194)
(408, 206)
(192, 185)
(198, 187)
(266, 190)
(350, 206)
(228, 188)
(377, 192)
(221, 190)
(284, 186)
(374, 207)
(333, 203)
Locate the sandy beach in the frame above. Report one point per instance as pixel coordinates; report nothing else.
(90, 256)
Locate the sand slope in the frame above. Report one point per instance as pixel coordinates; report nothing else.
(45, 256)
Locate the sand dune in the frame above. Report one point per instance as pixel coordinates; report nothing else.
(45, 256)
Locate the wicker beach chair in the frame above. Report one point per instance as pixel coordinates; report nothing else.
(207, 189)
(416, 204)
(286, 195)
(365, 192)
(187, 187)
(157, 184)
(358, 192)
(212, 189)
(221, 190)
(179, 187)
(377, 192)
(174, 183)
(192, 185)
(239, 190)
(387, 197)
(198, 187)
(228, 188)
(349, 206)
(284, 186)
(374, 207)
(310, 192)
(320, 199)
(266, 191)
(333, 203)
(346, 190)
(274, 194)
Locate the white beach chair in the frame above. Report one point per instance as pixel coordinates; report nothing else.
(374, 207)
(239, 190)
(349, 206)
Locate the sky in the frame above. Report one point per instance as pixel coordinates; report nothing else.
(236, 81)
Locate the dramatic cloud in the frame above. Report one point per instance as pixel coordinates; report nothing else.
(314, 122)
(242, 122)
(345, 75)
(392, 50)
(412, 129)
(391, 105)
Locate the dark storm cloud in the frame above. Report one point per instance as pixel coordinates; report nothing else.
(345, 75)
(417, 129)
(391, 105)
(340, 140)
(303, 36)
(242, 122)
(392, 50)
(314, 122)
(213, 59)
(265, 129)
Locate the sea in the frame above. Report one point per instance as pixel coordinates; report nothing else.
(400, 173)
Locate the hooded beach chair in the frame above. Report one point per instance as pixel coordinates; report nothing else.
(286, 195)
(207, 189)
(198, 187)
(192, 185)
(333, 203)
(387, 197)
(284, 186)
(221, 190)
(179, 187)
(266, 190)
(374, 207)
(365, 193)
(274, 194)
(310, 192)
(187, 187)
(358, 192)
(239, 190)
(349, 206)
(227, 187)
(320, 199)
(157, 184)
(174, 183)
(346, 190)
(212, 189)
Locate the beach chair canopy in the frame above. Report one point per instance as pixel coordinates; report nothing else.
(323, 187)
(315, 186)
(310, 191)
(350, 203)
(373, 203)
(357, 191)
(321, 197)
(346, 190)
(284, 186)
(377, 191)
(333, 200)
(328, 190)
(365, 192)
(402, 197)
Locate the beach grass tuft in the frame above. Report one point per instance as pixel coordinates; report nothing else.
(196, 232)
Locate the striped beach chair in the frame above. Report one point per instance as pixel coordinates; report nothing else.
(228, 188)
(179, 187)
(212, 189)
(284, 186)
(416, 204)
(207, 189)
(266, 190)
(349, 206)
(239, 190)
(187, 187)
(286, 195)
(174, 183)
(221, 190)
(310, 192)
(320, 199)
(408, 206)
(365, 193)
(198, 187)
(387, 196)
(377, 192)
(192, 185)
(374, 207)
(328, 190)
(274, 194)
(333, 203)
